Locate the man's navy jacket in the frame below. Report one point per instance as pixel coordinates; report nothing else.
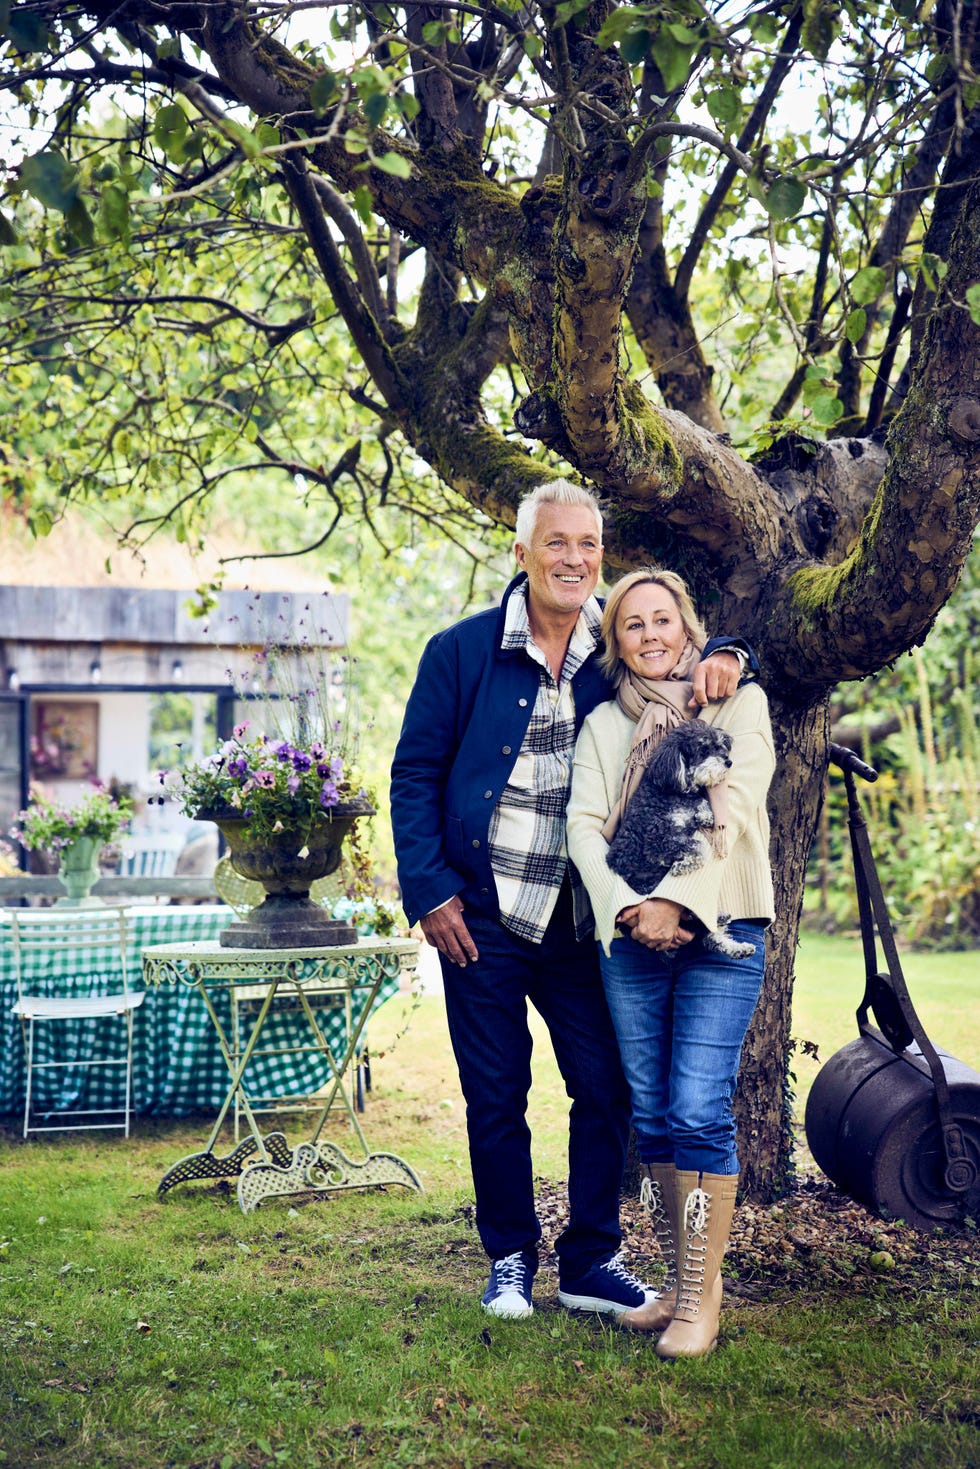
(464, 726)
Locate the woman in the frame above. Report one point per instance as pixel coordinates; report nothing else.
(680, 1008)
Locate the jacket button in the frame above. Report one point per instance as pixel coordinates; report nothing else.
(475, 842)
(522, 703)
(487, 795)
(484, 890)
(505, 750)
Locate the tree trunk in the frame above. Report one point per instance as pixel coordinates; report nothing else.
(764, 1099)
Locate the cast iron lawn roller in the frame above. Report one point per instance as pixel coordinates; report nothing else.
(892, 1120)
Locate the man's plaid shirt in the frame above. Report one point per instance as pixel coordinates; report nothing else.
(528, 852)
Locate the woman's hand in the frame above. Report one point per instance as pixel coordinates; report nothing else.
(656, 923)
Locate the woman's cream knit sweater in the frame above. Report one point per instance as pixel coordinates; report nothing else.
(740, 884)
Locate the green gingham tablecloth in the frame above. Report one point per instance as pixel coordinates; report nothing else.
(178, 1068)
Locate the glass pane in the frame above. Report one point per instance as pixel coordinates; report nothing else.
(11, 771)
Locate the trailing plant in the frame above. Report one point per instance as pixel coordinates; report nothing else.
(47, 826)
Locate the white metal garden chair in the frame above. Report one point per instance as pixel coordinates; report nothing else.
(70, 970)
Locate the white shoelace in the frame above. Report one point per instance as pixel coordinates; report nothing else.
(616, 1267)
(509, 1272)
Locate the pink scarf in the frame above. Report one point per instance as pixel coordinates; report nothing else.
(656, 706)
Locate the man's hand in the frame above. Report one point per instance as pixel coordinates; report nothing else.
(716, 678)
(655, 923)
(445, 930)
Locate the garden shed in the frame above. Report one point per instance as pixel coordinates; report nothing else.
(104, 682)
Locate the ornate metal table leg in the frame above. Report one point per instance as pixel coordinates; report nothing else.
(321, 1168)
(207, 1165)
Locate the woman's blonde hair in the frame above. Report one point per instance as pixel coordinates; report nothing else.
(609, 660)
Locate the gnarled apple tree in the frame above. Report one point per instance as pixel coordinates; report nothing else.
(718, 259)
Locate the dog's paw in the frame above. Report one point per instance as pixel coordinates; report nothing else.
(719, 941)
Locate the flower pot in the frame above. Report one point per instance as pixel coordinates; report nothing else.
(79, 869)
(286, 863)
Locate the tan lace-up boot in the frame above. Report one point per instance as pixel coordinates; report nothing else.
(659, 1197)
(708, 1201)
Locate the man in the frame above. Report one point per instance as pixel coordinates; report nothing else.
(479, 787)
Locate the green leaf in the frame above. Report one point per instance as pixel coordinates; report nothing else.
(51, 179)
(868, 285)
(170, 128)
(973, 302)
(375, 106)
(855, 324)
(26, 32)
(362, 204)
(933, 268)
(725, 106)
(114, 212)
(672, 56)
(816, 385)
(756, 188)
(8, 235)
(821, 27)
(827, 409)
(395, 164)
(935, 68)
(634, 47)
(620, 23)
(533, 46)
(785, 198)
(322, 90)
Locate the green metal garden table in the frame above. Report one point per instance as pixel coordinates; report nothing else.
(352, 977)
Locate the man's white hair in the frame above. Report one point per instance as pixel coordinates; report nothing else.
(557, 492)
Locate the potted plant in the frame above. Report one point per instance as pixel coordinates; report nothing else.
(284, 809)
(76, 834)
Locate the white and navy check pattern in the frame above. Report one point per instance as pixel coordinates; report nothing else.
(528, 851)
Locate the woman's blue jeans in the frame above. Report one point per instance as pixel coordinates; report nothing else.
(680, 1018)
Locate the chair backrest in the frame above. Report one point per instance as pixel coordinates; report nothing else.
(152, 855)
(240, 893)
(83, 952)
(243, 893)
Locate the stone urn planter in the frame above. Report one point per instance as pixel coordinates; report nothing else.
(78, 869)
(286, 864)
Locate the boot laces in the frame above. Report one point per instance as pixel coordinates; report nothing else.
(696, 1210)
(652, 1200)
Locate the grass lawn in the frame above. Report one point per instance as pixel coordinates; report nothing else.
(345, 1330)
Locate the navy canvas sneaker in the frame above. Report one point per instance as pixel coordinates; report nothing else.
(607, 1287)
(508, 1293)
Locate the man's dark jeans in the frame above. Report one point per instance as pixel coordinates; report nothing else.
(487, 1010)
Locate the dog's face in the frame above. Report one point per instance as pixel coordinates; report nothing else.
(693, 755)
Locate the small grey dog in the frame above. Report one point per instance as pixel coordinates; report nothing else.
(663, 829)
